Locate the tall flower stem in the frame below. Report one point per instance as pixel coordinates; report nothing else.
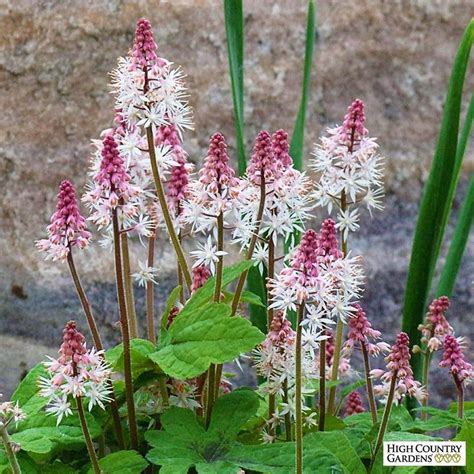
(127, 361)
(215, 372)
(10, 453)
(426, 373)
(298, 394)
(127, 278)
(287, 414)
(150, 292)
(87, 436)
(160, 192)
(270, 312)
(253, 242)
(368, 380)
(339, 332)
(460, 389)
(385, 418)
(322, 384)
(97, 343)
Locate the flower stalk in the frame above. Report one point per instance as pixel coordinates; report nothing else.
(339, 331)
(368, 380)
(127, 362)
(164, 209)
(298, 393)
(87, 437)
(9, 450)
(97, 343)
(322, 384)
(128, 283)
(385, 418)
(150, 292)
(253, 241)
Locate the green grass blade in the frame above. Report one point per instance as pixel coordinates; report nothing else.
(297, 139)
(429, 228)
(458, 244)
(461, 149)
(463, 225)
(234, 27)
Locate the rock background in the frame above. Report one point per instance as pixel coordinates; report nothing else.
(54, 60)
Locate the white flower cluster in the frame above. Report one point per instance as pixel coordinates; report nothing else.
(151, 96)
(78, 372)
(10, 412)
(287, 207)
(349, 169)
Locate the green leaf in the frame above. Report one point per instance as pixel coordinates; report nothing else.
(467, 434)
(458, 244)
(123, 462)
(337, 443)
(252, 298)
(297, 140)
(209, 335)
(204, 294)
(256, 284)
(234, 28)
(28, 387)
(140, 350)
(170, 302)
(184, 443)
(432, 217)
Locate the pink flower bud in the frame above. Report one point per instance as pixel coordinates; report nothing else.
(217, 175)
(353, 129)
(200, 275)
(453, 359)
(144, 46)
(354, 404)
(280, 148)
(262, 161)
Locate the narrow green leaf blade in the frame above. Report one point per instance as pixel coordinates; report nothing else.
(435, 199)
(458, 244)
(297, 139)
(234, 27)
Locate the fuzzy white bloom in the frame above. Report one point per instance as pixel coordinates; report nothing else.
(349, 169)
(78, 373)
(146, 274)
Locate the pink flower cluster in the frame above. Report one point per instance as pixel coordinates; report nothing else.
(453, 359)
(354, 404)
(216, 175)
(67, 228)
(361, 331)
(179, 179)
(280, 148)
(144, 46)
(398, 365)
(262, 161)
(78, 372)
(200, 275)
(328, 244)
(436, 327)
(353, 129)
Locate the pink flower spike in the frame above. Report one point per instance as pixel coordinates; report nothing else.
(280, 333)
(200, 275)
(353, 129)
(328, 239)
(354, 404)
(453, 359)
(306, 256)
(144, 46)
(73, 348)
(280, 148)
(360, 328)
(67, 228)
(217, 175)
(112, 175)
(262, 161)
